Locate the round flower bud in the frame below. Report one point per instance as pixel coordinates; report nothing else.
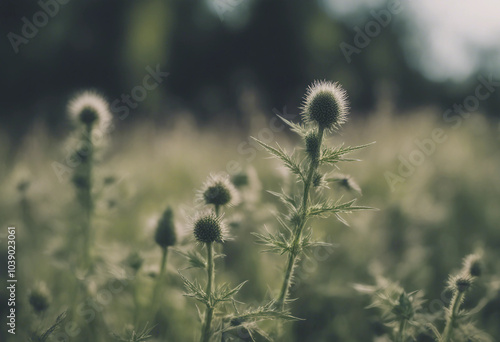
(208, 228)
(218, 190)
(165, 235)
(39, 298)
(473, 265)
(460, 283)
(312, 145)
(317, 179)
(326, 105)
(91, 110)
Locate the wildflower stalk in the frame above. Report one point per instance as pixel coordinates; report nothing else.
(87, 198)
(456, 301)
(91, 114)
(401, 332)
(165, 236)
(205, 336)
(208, 228)
(294, 253)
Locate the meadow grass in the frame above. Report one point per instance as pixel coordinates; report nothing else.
(419, 235)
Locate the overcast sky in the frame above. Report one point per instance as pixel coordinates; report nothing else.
(447, 35)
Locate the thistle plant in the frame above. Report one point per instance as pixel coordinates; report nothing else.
(91, 115)
(165, 237)
(460, 284)
(403, 313)
(209, 228)
(400, 311)
(324, 111)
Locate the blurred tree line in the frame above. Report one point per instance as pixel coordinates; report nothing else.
(215, 51)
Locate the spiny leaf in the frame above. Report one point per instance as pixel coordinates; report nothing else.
(276, 243)
(59, 320)
(281, 154)
(297, 128)
(224, 293)
(195, 259)
(287, 200)
(133, 336)
(335, 155)
(327, 208)
(194, 290)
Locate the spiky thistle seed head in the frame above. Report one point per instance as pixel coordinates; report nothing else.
(208, 228)
(165, 234)
(326, 105)
(313, 147)
(219, 191)
(39, 298)
(473, 265)
(91, 110)
(460, 283)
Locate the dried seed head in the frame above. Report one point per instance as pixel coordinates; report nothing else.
(208, 228)
(473, 265)
(218, 190)
(39, 298)
(91, 110)
(326, 105)
(460, 283)
(312, 145)
(165, 235)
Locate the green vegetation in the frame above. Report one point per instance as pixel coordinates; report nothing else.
(125, 249)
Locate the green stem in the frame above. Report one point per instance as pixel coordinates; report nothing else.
(294, 254)
(450, 322)
(205, 334)
(87, 200)
(401, 333)
(159, 280)
(163, 264)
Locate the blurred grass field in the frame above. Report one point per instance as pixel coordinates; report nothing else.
(446, 209)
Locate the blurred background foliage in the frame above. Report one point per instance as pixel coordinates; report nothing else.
(219, 52)
(228, 74)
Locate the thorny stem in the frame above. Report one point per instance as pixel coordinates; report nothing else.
(450, 322)
(205, 334)
(401, 333)
(292, 256)
(87, 199)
